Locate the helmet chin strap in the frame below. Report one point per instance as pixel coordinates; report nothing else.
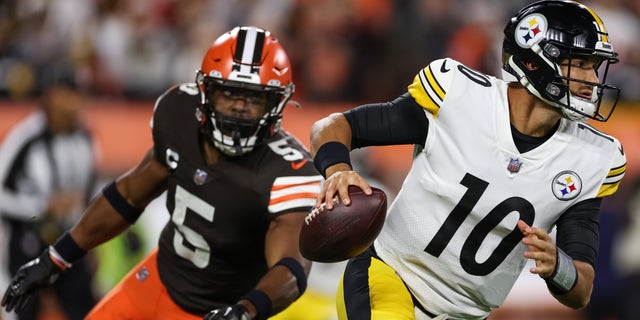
(578, 107)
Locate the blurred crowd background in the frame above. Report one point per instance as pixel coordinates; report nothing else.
(342, 51)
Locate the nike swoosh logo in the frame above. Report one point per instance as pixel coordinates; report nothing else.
(298, 165)
(443, 67)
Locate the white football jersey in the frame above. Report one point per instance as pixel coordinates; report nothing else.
(451, 232)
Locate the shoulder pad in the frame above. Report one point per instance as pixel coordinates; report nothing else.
(182, 94)
(430, 85)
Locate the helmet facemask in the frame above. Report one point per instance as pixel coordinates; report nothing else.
(236, 136)
(578, 108)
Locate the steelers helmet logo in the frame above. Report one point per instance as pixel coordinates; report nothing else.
(530, 30)
(566, 185)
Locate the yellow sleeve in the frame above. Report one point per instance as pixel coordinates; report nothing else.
(616, 173)
(429, 85)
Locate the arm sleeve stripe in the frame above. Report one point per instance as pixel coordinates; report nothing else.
(608, 189)
(612, 181)
(294, 192)
(275, 187)
(424, 100)
(293, 196)
(303, 189)
(284, 181)
(425, 94)
(433, 83)
(617, 171)
(304, 204)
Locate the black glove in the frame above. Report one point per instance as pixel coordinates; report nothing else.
(234, 312)
(33, 275)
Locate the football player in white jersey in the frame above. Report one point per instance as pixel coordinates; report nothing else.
(499, 165)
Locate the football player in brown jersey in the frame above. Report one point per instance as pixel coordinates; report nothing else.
(238, 188)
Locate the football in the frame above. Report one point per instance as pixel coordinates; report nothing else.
(344, 231)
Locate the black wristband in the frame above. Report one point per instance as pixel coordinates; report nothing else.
(118, 202)
(68, 249)
(261, 301)
(331, 153)
(298, 271)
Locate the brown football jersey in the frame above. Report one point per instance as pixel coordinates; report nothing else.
(211, 251)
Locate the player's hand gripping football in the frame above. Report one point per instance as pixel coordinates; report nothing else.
(33, 275)
(541, 249)
(234, 312)
(339, 178)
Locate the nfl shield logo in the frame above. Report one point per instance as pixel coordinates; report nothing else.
(199, 177)
(142, 274)
(514, 165)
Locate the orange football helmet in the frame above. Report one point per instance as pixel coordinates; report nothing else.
(247, 58)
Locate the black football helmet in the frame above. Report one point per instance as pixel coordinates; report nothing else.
(546, 33)
(247, 59)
